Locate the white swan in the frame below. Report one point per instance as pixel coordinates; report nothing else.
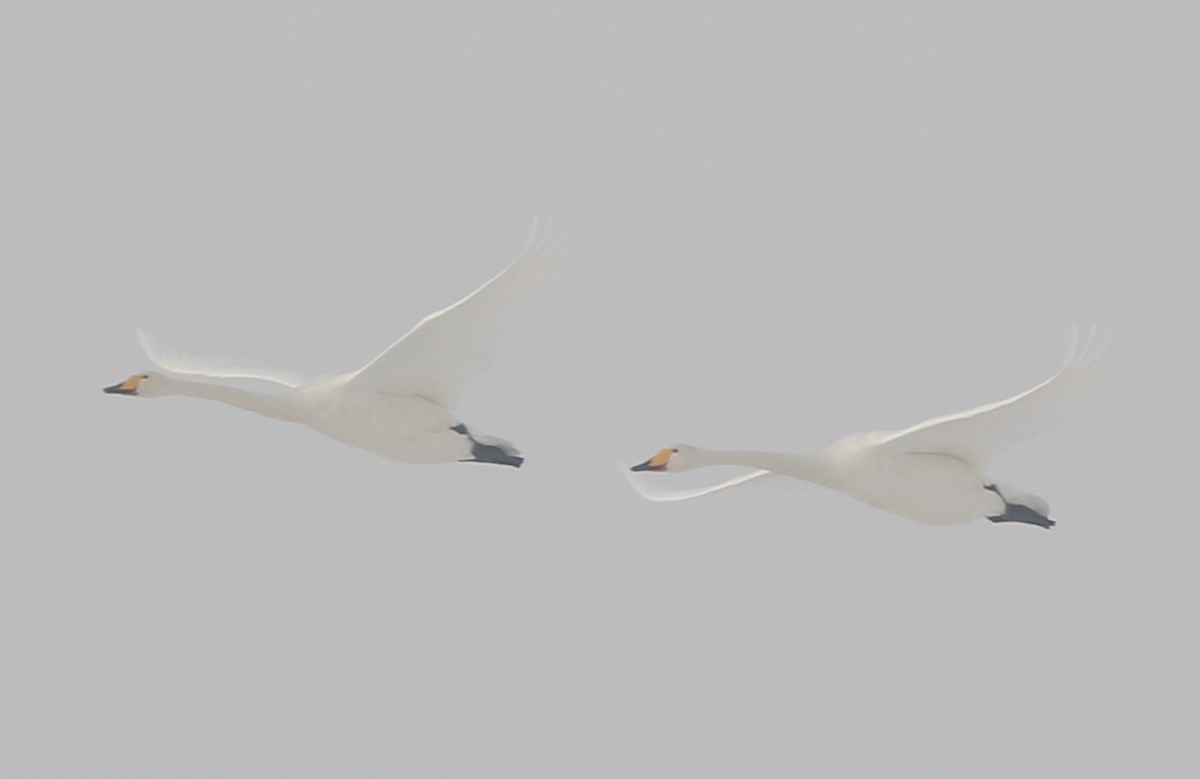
(398, 405)
(930, 472)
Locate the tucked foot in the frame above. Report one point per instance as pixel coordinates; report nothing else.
(500, 452)
(1015, 512)
(487, 453)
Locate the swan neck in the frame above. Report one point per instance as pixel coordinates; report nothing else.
(800, 466)
(276, 405)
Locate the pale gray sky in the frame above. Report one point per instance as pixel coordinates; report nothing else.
(786, 223)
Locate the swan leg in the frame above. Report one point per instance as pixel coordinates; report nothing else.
(488, 453)
(1015, 512)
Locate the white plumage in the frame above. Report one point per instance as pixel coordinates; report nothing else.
(399, 404)
(930, 472)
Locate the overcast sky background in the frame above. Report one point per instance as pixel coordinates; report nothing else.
(786, 222)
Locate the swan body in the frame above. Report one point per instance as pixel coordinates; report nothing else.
(931, 472)
(397, 406)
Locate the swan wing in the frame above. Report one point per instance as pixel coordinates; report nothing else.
(976, 434)
(449, 348)
(669, 496)
(207, 367)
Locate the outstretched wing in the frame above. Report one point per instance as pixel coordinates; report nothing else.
(978, 433)
(668, 496)
(209, 367)
(449, 348)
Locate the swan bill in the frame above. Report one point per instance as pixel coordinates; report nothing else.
(127, 387)
(656, 463)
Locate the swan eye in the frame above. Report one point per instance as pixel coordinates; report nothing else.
(674, 451)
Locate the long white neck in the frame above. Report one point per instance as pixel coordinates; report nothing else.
(799, 466)
(277, 405)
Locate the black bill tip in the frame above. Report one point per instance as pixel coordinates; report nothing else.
(120, 389)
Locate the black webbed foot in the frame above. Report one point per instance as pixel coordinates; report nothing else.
(1015, 512)
(488, 453)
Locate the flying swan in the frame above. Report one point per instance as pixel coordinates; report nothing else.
(398, 405)
(930, 472)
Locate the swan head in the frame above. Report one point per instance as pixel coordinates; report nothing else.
(679, 457)
(137, 384)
